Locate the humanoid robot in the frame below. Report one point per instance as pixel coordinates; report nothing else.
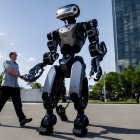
(71, 38)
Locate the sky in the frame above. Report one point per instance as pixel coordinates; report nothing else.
(24, 25)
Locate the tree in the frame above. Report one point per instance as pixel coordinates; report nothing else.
(1, 77)
(127, 79)
(98, 86)
(127, 82)
(136, 79)
(112, 82)
(36, 86)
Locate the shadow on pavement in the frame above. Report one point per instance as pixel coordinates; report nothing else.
(107, 129)
(110, 129)
(61, 135)
(119, 130)
(55, 134)
(26, 127)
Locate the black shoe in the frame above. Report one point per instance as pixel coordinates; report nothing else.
(24, 121)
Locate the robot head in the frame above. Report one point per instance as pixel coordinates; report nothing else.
(68, 12)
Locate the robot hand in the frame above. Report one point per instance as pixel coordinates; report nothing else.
(50, 57)
(98, 75)
(37, 70)
(34, 73)
(95, 68)
(91, 73)
(23, 77)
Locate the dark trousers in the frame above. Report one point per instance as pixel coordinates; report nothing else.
(14, 93)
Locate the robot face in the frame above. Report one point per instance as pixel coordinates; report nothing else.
(68, 11)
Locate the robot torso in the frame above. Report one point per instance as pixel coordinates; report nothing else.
(72, 38)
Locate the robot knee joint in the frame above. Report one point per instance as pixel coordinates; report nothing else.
(74, 97)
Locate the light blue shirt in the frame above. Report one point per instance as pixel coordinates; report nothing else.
(8, 79)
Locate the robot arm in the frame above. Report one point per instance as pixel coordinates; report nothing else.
(48, 58)
(97, 51)
(53, 40)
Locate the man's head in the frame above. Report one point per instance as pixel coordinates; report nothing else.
(13, 56)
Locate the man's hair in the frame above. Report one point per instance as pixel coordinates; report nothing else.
(11, 53)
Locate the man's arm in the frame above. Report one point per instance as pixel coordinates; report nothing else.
(13, 73)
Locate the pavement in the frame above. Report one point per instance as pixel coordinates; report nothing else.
(107, 122)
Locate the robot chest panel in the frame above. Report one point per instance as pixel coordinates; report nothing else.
(66, 34)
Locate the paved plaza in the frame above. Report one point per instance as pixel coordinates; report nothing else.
(107, 122)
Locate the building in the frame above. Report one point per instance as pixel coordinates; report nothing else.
(126, 22)
(31, 95)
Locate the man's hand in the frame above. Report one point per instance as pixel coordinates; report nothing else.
(24, 77)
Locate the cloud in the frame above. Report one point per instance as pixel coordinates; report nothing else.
(19, 54)
(1, 56)
(1, 34)
(11, 44)
(31, 59)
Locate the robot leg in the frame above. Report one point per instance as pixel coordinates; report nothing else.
(47, 123)
(61, 111)
(79, 95)
(50, 96)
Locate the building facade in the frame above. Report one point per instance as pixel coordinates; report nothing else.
(126, 23)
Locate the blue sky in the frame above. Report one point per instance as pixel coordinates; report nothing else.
(25, 23)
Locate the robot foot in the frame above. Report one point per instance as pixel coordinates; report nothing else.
(80, 124)
(47, 123)
(80, 132)
(45, 131)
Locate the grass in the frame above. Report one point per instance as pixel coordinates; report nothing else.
(121, 101)
(126, 101)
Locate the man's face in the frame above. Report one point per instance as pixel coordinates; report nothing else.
(14, 56)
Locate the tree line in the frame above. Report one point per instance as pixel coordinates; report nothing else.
(126, 83)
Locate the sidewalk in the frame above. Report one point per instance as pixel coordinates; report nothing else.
(107, 121)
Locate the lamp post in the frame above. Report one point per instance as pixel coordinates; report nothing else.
(104, 88)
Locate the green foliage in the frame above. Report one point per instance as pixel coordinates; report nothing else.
(112, 82)
(91, 94)
(22, 88)
(127, 82)
(127, 79)
(127, 101)
(36, 86)
(1, 76)
(136, 79)
(97, 89)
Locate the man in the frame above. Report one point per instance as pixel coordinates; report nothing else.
(10, 87)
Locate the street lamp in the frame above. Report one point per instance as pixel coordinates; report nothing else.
(104, 87)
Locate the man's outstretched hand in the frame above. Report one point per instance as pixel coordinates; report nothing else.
(24, 78)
